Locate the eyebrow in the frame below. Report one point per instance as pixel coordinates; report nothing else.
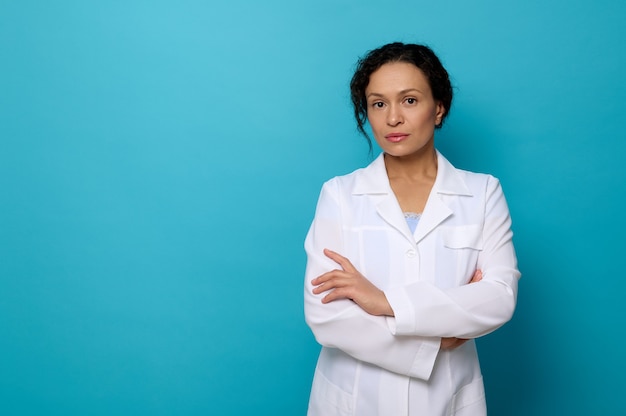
(375, 94)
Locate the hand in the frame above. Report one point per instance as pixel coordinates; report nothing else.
(477, 277)
(452, 343)
(348, 283)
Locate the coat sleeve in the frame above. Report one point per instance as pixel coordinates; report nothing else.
(343, 324)
(472, 310)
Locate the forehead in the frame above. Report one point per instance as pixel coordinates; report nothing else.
(394, 77)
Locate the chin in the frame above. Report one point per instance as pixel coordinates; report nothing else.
(402, 153)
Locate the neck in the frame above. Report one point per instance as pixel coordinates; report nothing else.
(419, 165)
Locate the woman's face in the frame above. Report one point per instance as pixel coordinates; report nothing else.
(401, 109)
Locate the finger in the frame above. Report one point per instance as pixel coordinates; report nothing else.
(452, 343)
(335, 295)
(446, 343)
(325, 287)
(323, 278)
(459, 342)
(339, 259)
(477, 277)
(335, 282)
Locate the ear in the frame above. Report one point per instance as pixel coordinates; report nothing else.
(440, 112)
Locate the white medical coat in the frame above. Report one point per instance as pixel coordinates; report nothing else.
(393, 366)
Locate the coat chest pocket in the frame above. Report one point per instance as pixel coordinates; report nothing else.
(457, 254)
(463, 236)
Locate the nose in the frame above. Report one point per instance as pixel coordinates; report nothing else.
(394, 116)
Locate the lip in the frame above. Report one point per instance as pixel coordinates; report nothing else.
(396, 137)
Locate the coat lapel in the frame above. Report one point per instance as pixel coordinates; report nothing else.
(375, 183)
(389, 209)
(434, 213)
(448, 183)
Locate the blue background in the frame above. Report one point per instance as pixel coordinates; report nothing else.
(160, 162)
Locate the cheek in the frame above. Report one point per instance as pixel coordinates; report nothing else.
(375, 120)
(426, 118)
(377, 129)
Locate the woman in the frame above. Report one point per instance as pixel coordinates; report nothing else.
(409, 259)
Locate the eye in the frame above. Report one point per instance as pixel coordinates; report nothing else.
(411, 100)
(378, 104)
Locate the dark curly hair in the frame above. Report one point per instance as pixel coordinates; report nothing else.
(419, 55)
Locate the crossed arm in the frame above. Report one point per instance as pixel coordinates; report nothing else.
(348, 283)
(347, 311)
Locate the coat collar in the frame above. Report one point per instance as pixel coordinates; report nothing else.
(449, 181)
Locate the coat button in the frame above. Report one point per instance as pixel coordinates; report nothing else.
(410, 253)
